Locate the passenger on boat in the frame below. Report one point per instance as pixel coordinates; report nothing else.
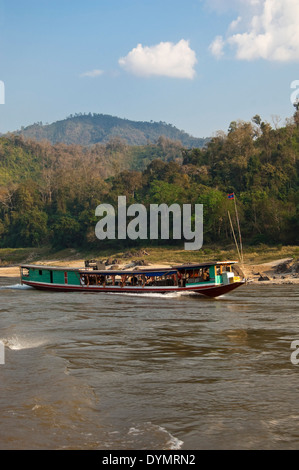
(150, 281)
(182, 279)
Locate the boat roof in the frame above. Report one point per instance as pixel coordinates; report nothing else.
(46, 266)
(119, 272)
(150, 271)
(203, 265)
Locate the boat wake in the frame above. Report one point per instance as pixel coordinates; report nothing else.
(156, 295)
(17, 286)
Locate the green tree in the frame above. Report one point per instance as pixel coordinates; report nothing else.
(66, 231)
(28, 228)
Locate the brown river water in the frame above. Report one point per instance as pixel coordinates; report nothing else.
(152, 372)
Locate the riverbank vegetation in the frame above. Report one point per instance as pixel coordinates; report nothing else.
(49, 193)
(155, 255)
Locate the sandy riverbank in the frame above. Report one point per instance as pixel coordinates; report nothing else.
(269, 273)
(253, 272)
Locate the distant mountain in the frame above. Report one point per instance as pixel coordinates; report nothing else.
(89, 129)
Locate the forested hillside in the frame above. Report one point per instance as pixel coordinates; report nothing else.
(48, 193)
(90, 129)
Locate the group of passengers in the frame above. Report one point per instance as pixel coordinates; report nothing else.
(181, 278)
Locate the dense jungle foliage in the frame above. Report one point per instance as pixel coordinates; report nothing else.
(49, 193)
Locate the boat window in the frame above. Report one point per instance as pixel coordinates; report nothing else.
(100, 280)
(40, 272)
(25, 272)
(164, 280)
(92, 279)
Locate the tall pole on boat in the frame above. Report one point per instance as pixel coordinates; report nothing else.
(240, 252)
(240, 236)
(233, 232)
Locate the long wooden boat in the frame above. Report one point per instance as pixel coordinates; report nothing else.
(210, 279)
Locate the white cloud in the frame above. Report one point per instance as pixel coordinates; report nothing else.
(217, 46)
(267, 29)
(164, 59)
(234, 24)
(92, 73)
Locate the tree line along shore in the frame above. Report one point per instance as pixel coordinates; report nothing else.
(49, 192)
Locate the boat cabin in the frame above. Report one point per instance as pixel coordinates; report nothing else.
(181, 276)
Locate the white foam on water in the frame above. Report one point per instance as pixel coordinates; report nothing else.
(17, 286)
(16, 343)
(169, 441)
(157, 295)
(173, 443)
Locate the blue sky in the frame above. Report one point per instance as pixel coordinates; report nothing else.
(196, 64)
